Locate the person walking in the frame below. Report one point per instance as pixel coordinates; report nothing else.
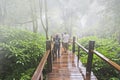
(65, 41)
(57, 45)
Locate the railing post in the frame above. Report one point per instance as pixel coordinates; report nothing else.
(78, 55)
(73, 47)
(89, 60)
(49, 59)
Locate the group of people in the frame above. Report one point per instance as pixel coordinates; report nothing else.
(64, 39)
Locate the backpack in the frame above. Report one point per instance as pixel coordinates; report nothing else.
(57, 41)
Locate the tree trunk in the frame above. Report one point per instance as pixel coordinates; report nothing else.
(3, 11)
(45, 26)
(33, 15)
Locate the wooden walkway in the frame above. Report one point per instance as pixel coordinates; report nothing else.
(65, 68)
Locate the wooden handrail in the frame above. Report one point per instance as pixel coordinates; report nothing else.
(81, 47)
(90, 53)
(112, 63)
(37, 74)
(47, 58)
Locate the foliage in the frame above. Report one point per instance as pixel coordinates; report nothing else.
(104, 22)
(110, 49)
(21, 52)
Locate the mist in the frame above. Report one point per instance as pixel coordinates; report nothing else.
(79, 17)
(25, 25)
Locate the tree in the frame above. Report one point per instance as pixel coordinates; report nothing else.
(110, 18)
(3, 11)
(34, 16)
(45, 25)
(67, 16)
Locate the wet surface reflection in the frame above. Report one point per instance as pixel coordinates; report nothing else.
(64, 68)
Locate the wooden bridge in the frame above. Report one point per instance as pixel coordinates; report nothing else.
(68, 66)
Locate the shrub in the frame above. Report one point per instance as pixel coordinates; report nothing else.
(110, 49)
(21, 52)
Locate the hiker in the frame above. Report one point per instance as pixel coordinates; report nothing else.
(65, 41)
(57, 45)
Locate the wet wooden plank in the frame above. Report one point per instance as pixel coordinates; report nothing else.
(65, 68)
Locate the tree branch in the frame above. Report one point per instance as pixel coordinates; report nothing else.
(40, 5)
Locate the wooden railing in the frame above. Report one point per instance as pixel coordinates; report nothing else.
(90, 53)
(45, 59)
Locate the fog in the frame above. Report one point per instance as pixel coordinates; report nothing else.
(77, 17)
